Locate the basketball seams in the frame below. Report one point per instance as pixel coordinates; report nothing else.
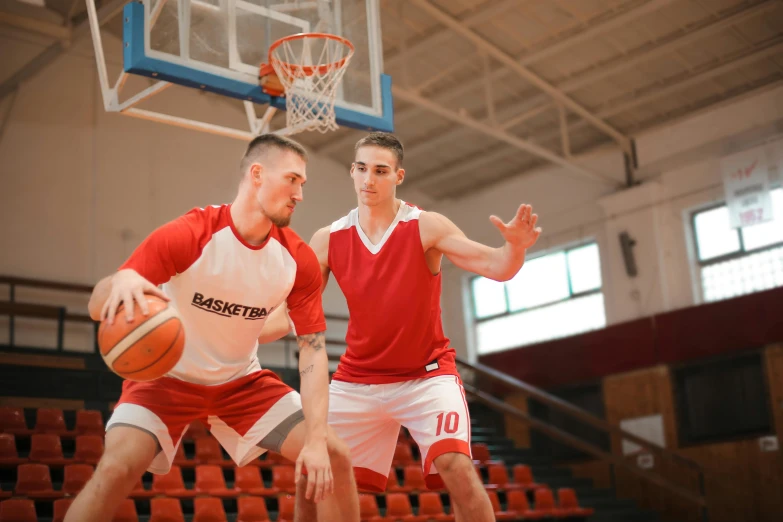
(138, 333)
(163, 354)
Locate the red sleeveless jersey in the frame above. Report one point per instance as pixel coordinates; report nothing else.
(395, 331)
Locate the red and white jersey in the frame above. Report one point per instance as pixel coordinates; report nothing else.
(224, 289)
(395, 331)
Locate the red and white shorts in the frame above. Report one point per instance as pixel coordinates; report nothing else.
(367, 417)
(241, 414)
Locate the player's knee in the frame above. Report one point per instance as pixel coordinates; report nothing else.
(117, 473)
(457, 470)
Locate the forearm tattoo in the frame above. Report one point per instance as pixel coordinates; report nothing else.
(316, 341)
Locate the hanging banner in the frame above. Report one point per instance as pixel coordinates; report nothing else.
(746, 182)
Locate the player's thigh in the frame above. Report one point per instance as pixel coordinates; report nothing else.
(435, 412)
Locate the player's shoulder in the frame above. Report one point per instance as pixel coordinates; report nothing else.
(344, 223)
(197, 222)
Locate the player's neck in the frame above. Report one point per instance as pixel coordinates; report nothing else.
(378, 218)
(250, 222)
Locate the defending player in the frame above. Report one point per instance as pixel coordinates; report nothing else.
(398, 368)
(243, 256)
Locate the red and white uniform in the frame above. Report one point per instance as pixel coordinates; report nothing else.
(223, 289)
(398, 367)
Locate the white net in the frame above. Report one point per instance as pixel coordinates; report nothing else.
(310, 67)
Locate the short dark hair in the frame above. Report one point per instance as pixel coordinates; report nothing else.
(262, 143)
(385, 140)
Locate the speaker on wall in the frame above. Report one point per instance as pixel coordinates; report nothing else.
(626, 245)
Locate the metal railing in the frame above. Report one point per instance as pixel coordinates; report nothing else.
(697, 499)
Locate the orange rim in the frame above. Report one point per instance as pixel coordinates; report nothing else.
(309, 70)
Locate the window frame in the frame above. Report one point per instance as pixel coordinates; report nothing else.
(725, 257)
(572, 295)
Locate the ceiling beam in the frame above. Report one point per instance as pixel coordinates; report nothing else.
(498, 134)
(669, 44)
(54, 51)
(440, 36)
(524, 72)
(542, 103)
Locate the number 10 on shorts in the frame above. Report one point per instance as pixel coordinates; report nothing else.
(448, 422)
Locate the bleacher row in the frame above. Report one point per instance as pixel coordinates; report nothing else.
(43, 468)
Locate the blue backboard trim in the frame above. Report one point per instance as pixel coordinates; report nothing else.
(137, 62)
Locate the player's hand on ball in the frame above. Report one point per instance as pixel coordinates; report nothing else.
(315, 458)
(521, 230)
(128, 286)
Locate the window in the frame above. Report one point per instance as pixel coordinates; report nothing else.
(735, 262)
(722, 400)
(554, 295)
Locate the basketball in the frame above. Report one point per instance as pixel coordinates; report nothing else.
(146, 348)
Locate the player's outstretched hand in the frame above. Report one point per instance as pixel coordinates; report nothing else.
(521, 230)
(126, 286)
(315, 458)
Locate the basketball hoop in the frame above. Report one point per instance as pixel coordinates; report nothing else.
(308, 68)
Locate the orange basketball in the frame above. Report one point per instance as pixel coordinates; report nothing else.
(146, 348)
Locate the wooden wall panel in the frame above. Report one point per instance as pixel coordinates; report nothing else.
(517, 430)
(743, 483)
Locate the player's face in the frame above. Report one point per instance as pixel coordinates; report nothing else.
(375, 175)
(283, 178)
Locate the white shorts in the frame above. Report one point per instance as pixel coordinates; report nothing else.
(368, 418)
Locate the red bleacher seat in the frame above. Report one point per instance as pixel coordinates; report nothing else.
(481, 454)
(171, 484)
(4, 494)
(523, 478)
(544, 503)
(89, 449)
(8, 454)
(209, 510)
(12, 421)
(18, 510)
(285, 508)
(89, 422)
(392, 483)
(51, 420)
(208, 452)
(398, 507)
(166, 510)
(431, 507)
(181, 460)
(517, 503)
(35, 481)
(368, 508)
(568, 504)
(413, 478)
(75, 477)
(210, 481)
(247, 480)
(126, 512)
(283, 479)
(499, 513)
(252, 509)
(47, 448)
(140, 493)
(402, 454)
(61, 508)
(498, 477)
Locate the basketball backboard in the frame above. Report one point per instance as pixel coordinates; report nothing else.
(218, 46)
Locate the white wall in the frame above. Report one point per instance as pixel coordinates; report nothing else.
(80, 187)
(679, 172)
